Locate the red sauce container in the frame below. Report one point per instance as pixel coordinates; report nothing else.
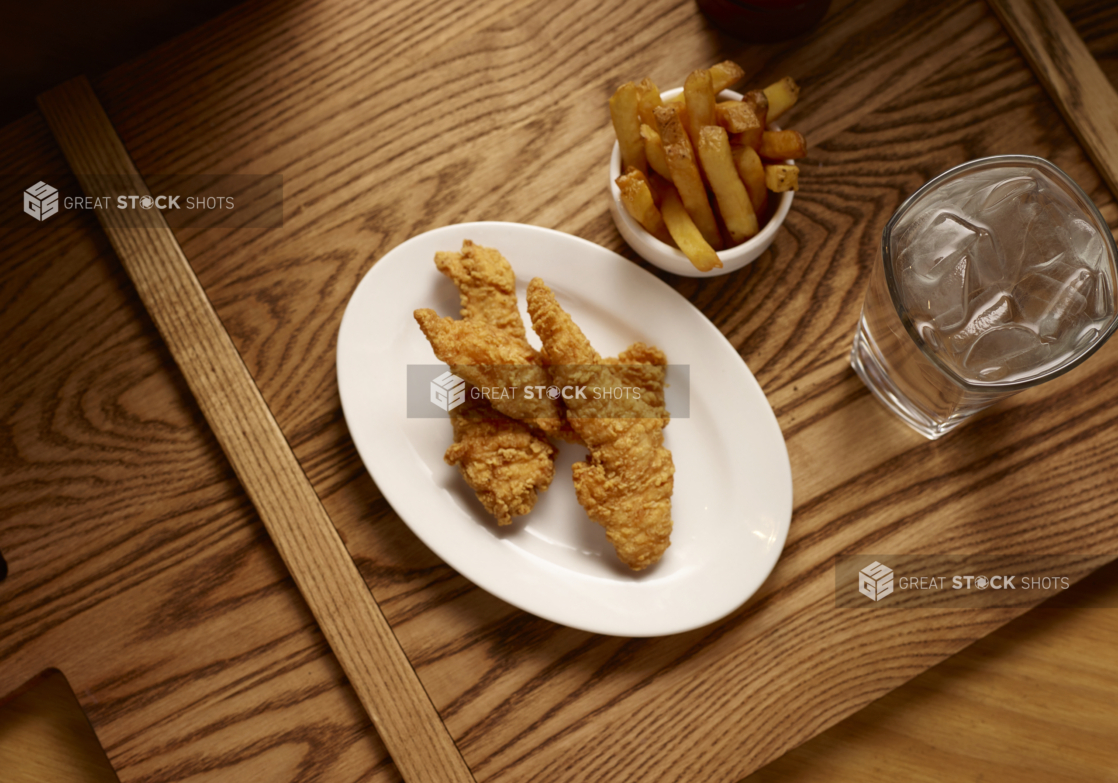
(764, 20)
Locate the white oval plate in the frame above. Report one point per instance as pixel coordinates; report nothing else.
(733, 483)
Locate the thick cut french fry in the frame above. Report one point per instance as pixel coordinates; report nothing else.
(740, 118)
(698, 97)
(677, 105)
(648, 98)
(627, 126)
(636, 196)
(689, 182)
(782, 96)
(780, 177)
(659, 186)
(750, 138)
(669, 120)
(782, 145)
(759, 102)
(725, 75)
(752, 173)
(733, 202)
(654, 151)
(686, 234)
(756, 101)
(734, 116)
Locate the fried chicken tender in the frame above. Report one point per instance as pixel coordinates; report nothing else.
(507, 462)
(486, 287)
(486, 357)
(626, 483)
(503, 461)
(642, 366)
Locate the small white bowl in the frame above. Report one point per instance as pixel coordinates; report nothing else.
(671, 259)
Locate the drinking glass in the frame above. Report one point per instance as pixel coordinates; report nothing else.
(995, 276)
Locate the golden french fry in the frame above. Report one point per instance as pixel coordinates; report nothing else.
(686, 234)
(780, 177)
(782, 145)
(739, 117)
(654, 151)
(698, 97)
(759, 102)
(659, 186)
(682, 109)
(755, 103)
(636, 196)
(725, 75)
(689, 182)
(750, 138)
(733, 201)
(648, 98)
(627, 126)
(675, 103)
(782, 96)
(669, 120)
(752, 173)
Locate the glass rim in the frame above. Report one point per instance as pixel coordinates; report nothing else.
(1093, 213)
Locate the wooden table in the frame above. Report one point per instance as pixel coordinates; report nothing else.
(139, 568)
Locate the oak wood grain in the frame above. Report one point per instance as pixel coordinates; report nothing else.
(1065, 66)
(337, 98)
(45, 736)
(137, 564)
(1030, 702)
(352, 622)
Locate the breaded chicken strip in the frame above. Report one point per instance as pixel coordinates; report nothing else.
(486, 287)
(503, 461)
(642, 366)
(488, 358)
(626, 483)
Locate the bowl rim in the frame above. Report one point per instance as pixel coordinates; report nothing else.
(732, 258)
